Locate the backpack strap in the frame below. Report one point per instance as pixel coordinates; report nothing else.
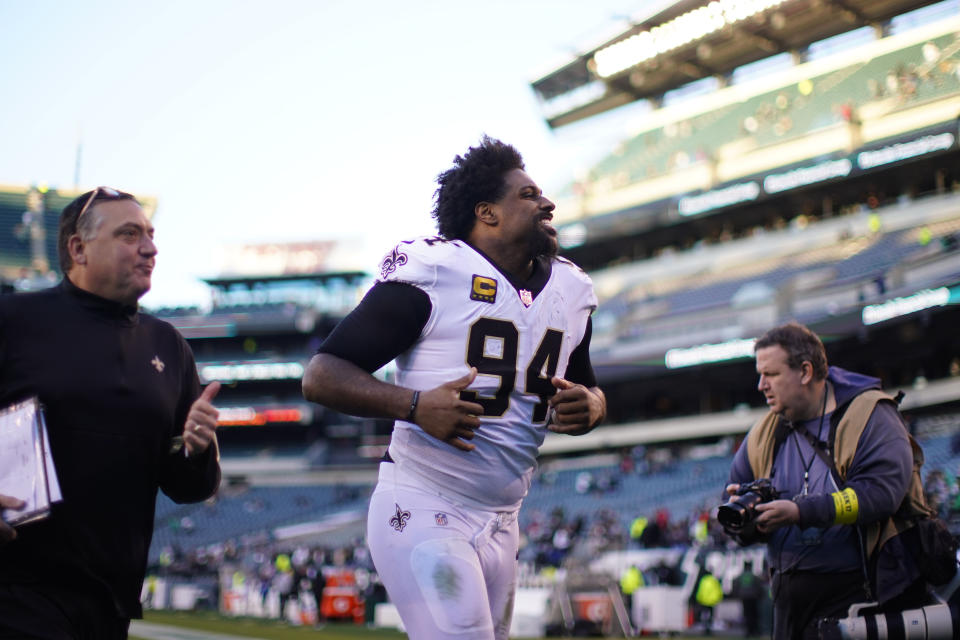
(847, 438)
(851, 427)
(763, 441)
(845, 435)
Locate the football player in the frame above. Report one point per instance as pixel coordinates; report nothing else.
(490, 331)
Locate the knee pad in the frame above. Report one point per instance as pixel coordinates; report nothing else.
(448, 573)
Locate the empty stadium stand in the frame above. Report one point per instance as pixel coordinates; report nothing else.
(249, 513)
(674, 300)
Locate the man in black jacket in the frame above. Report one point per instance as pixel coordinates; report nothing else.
(125, 416)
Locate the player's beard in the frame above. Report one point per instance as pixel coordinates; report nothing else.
(542, 242)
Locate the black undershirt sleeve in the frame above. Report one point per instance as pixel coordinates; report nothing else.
(391, 317)
(386, 323)
(579, 369)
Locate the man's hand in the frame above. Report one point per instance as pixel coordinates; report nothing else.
(443, 415)
(8, 533)
(200, 428)
(575, 409)
(776, 514)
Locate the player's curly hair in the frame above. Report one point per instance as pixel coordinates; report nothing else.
(476, 176)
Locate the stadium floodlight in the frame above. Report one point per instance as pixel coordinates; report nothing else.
(718, 198)
(706, 353)
(827, 170)
(682, 30)
(238, 372)
(573, 235)
(905, 150)
(926, 299)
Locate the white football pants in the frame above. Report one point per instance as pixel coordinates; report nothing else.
(449, 569)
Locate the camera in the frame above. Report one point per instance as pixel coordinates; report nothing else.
(737, 516)
(939, 620)
(935, 622)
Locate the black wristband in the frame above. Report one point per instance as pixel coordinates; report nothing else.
(413, 406)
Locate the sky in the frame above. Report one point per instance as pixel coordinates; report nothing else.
(287, 120)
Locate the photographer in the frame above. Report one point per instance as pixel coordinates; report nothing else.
(811, 520)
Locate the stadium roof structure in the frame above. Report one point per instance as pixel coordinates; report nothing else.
(695, 39)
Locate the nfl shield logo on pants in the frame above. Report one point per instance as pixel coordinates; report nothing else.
(441, 519)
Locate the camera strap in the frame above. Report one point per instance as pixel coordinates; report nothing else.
(816, 444)
(820, 449)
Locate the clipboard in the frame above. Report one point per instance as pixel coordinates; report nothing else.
(26, 466)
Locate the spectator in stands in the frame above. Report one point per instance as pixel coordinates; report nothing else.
(847, 111)
(678, 533)
(125, 415)
(464, 444)
(637, 527)
(655, 533)
(699, 530)
(607, 482)
(892, 82)
(584, 483)
(812, 529)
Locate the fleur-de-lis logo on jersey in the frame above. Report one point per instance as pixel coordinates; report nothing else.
(399, 519)
(392, 261)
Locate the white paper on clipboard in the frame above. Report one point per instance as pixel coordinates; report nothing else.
(53, 484)
(26, 463)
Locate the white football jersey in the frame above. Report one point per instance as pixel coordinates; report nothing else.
(517, 340)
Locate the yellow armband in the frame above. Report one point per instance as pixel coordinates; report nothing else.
(847, 507)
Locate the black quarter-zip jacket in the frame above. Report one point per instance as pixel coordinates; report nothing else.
(116, 386)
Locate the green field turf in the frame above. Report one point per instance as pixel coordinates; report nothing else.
(275, 630)
(257, 628)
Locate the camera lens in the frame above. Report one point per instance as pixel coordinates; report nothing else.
(739, 512)
(732, 515)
